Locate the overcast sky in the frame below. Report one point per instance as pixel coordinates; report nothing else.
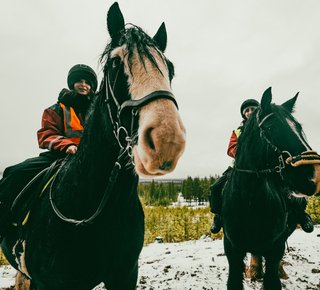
(223, 51)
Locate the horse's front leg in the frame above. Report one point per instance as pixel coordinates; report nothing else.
(123, 279)
(22, 282)
(236, 266)
(273, 258)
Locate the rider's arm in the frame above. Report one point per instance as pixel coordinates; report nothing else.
(232, 148)
(51, 135)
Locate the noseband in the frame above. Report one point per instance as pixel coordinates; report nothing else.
(307, 157)
(125, 143)
(130, 105)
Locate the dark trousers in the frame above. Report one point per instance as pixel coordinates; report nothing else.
(15, 200)
(216, 191)
(16, 177)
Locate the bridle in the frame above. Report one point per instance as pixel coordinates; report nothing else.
(307, 157)
(133, 105)
(123, 136)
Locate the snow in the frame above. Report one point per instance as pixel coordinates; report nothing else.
(181, 202)
(7, 274)
(202, 265)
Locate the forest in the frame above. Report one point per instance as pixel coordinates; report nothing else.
(165, 193)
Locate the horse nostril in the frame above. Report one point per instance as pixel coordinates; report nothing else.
(149, 139)
(167, 165)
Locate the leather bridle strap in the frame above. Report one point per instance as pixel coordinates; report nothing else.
(135, 104)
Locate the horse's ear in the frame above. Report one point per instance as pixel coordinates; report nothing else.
(160, 37)
(265, 103)
(115, 21)
(289, 105)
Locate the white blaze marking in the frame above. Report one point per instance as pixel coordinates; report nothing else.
(294, 129)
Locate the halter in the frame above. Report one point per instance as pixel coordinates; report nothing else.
(307, 157)
(124, 143)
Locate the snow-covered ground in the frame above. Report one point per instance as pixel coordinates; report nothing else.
(202, 265)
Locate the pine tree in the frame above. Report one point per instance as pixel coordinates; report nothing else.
(196, 189)
(152, 192)
(188, 189)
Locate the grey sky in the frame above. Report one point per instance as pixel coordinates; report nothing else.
(223, 51)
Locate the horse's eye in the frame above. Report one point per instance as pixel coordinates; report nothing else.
(116, 62)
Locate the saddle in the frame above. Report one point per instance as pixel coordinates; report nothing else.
(28, 196)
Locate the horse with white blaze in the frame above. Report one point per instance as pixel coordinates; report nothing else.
(90, 212)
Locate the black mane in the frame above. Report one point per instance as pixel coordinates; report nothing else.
(135, 37)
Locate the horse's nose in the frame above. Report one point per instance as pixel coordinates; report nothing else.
(167, 165)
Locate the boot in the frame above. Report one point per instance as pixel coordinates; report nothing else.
(306, 222)
(216, 225)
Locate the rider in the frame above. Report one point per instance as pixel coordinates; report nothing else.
(297, 205)
(62, 126)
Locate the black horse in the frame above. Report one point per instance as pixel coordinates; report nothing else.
(254, 212)
(88, 225)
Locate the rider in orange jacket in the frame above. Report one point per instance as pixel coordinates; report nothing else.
(62, 126)
(62, 123)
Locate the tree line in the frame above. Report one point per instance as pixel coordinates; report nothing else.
(196, 189)
(163, 194)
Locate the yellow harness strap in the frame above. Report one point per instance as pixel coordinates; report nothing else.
(44, 188)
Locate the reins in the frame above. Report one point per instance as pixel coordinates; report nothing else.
(112, 180)
(125, 143)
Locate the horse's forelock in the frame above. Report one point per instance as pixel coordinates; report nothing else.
(135, 39)
(283, 116)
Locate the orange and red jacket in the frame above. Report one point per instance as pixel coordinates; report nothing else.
(61, 128)
(232, 148)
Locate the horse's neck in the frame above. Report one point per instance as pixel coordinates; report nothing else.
(98, 150)
(262, 189)
(253, 152)
(254, 157)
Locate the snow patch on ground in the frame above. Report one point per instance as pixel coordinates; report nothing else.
(203, 265)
